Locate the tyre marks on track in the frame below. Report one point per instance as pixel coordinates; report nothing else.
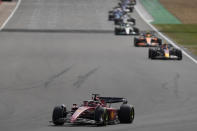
(173, 85)
(46, 83)
(82, 78)
(56, 76)
(43, 83)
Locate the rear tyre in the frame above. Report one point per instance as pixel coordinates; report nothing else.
(126, 113)
(131, 9)
(132, 20)
(109, 18)
(100, 116)
(136, 30)
(116, 22)
(58, 113)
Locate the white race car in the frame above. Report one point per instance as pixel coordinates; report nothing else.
(126, 29)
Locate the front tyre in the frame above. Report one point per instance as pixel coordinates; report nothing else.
(101, 116)
(116, 31)
(179, 55)
(58, 114)
(150, 54)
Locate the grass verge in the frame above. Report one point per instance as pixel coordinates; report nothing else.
(183, 34)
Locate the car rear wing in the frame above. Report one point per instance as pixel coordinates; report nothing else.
(113, 99)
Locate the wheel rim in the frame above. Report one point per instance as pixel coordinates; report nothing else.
(132, 114)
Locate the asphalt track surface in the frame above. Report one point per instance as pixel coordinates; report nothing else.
(61, 51)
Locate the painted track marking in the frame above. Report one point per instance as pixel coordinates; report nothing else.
(11, 15)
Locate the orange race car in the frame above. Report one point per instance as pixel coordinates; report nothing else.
(147, 39)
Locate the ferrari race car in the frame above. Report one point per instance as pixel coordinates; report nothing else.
(165, 51)
(97, 111)
(125, 19)
(126, 29)
(147, 40)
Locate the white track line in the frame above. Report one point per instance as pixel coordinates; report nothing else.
(166, 38)
(11, 15)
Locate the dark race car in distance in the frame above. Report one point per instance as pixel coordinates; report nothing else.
(165, 51)
(147, 39)
(96, 111)
(127, 8)
(116, 13)
(125, 19)
(128, 2)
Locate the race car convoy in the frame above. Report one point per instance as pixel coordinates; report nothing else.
(125, 25)
(98, 110)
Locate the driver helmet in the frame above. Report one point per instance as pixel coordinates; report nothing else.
(85, 103)
(148, 34)
(165, 45)
(63, 106)
(127, 25)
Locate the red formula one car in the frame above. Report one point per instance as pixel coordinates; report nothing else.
(147, 40)
(97, 111)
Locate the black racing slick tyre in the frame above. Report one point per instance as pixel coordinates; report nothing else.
(58, 113)
(131, 9)
(136, 30)
(100, 116)
(135, 42)
(179, 55)
(160, 41)
(126, 113)
(116, 31)
(132, 20)
(150, 53)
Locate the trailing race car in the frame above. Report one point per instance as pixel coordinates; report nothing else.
(125, 19)
(165, 51)
(147, 40)
(125, 7)
(97, 111)
(126, 29)
(116, 13)
(129, 2)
